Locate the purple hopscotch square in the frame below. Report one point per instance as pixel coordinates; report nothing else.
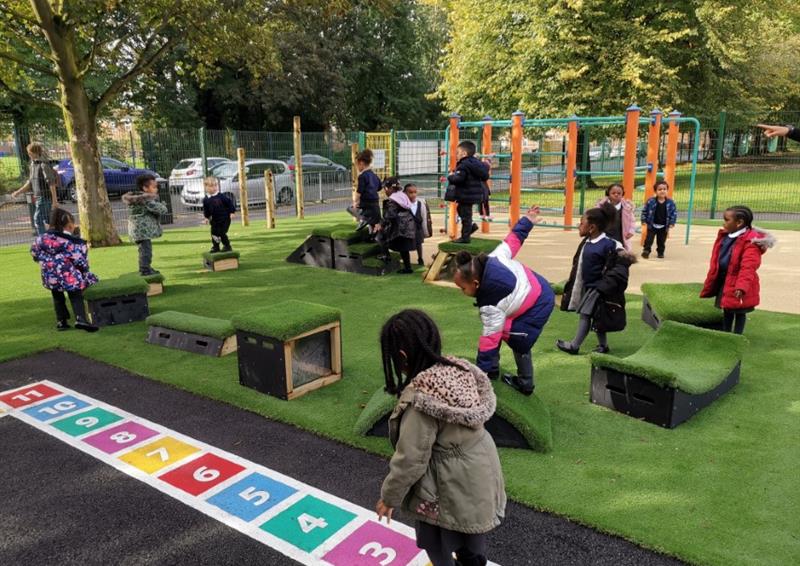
(373, 545)
(120, 437)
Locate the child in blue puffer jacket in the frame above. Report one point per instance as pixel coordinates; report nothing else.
(515, 303)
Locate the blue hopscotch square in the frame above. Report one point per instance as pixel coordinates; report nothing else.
(54, 408)
(252, 496)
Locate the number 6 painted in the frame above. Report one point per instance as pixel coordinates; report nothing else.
(205, 474)
(376, 551)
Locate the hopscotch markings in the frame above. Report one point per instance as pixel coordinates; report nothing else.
(341, 518)
(199, 475)
(156, 456)
(32, 393)
(86, 422)
(55, 407)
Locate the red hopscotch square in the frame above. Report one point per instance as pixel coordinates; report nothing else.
(373, 545)
(202, 474)
(28, 395)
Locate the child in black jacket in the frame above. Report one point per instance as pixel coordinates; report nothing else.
(469, 179)
(218, 208)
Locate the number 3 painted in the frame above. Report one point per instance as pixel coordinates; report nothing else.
(376, 551)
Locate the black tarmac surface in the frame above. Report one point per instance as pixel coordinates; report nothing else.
(61, 506)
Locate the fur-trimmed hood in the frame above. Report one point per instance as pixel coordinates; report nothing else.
(626, 257)
(137, 197)
(453, 395)
(762, 238)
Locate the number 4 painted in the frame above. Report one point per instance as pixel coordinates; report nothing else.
(376, 551)
(309, 523)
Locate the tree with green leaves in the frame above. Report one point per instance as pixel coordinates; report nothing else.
(80, 55)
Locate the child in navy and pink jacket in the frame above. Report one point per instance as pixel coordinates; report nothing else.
(514, 302)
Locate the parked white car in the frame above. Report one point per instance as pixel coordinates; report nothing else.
(228, 174)
(190, 172)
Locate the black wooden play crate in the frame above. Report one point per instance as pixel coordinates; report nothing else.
(316, 251)
(118, 310)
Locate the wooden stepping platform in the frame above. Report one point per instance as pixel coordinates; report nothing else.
(289, 349)
(679, 371)
(221, 261)
(679, 302)
(118, 301)
(444, 266)
(519, 421)
(192, 333)
(155, 281)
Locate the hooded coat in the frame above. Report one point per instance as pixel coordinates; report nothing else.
(398, 222)
(628, 221)
(742, 269)
(469, 178)
(144, 214)
(445, 470)
(63, 259)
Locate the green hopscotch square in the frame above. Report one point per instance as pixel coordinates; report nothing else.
(308, 523)
(89, 421)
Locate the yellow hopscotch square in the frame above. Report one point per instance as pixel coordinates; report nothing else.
(159, 454)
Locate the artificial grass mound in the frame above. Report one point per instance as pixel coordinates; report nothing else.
(285, 320)
(686, 357)
(152, 278)
(217, 256)
(347, 233)
(130, 284)
(681, 302)
(475, 247)
(339, 229)
(528, 415)
(365, 249)
(186, 322)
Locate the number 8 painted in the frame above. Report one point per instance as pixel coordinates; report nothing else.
(376, 551)
(122, 437)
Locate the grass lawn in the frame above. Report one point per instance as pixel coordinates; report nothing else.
(720, 489)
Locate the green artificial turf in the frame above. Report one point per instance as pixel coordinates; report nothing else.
(475, 247)
(558, 288)
(187, 322)
(129, 284)
(286, 319)
(379, 405)
(153, 278)
(721, 489)
(218, 256)
(527, 414)
(365, 249)
(681, 302)
(692, 359)
(327, 231)
(348, 233)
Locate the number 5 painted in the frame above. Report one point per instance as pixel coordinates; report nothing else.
(257, 497)
(376, 551)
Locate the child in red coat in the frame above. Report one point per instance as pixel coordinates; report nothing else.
(735, 259)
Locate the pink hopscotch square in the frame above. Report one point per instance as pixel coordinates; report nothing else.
(120, 437)
(373, 545)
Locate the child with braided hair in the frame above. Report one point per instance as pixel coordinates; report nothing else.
(514, 303)
(443, 404)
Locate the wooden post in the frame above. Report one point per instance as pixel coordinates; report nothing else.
(269, 195)
(451, 165)
(672, 151)
(486, 148)
(243, 188)
(516, 167)
(354, 170)
(299, 193)
(653, 141)
(572, 160)
(631, 139)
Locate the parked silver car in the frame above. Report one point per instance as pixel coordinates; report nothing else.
(228, 174)
(190, 172)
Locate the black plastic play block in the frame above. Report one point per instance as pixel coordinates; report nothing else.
(362, 258)
(649, 316)
(190, 342)
(643, 399)
(678, 302)
(119, 310)
(316, 251)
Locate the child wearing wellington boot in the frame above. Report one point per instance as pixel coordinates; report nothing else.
(732, 275)
(514, 303)
(445, 472)
(597, 282)
(63, 258)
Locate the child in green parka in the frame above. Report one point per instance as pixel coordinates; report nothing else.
(144, 214)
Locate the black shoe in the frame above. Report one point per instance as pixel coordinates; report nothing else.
(645, 254)
(493, 375)
(62, 325)
(474, 228)
(660, 256)
(361, 225)
(227, 249)
(518, 384)
(406, 270)
(601, 349)
(82, 325)
(567, 347)
(421, 262)
(462, 240)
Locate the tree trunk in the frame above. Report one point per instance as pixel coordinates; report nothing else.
(94, 208)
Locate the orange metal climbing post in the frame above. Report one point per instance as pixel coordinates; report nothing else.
(631, 139)
(516, 167)
(452, 207)
(572, 158)
(653, 143)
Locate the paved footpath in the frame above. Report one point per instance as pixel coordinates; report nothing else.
(100, 466)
